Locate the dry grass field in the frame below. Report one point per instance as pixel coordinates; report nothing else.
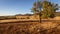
(30, 27)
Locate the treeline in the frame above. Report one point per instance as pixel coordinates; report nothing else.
(7, 17)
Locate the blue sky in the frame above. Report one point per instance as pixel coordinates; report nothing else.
(12, 7)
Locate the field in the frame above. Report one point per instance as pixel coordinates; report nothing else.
(29, 27)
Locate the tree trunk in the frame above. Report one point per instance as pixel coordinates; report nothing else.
(40, 18)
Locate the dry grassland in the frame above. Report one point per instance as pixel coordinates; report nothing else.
(30, 28)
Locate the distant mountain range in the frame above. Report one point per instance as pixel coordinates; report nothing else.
(14, 17)
(57, 14)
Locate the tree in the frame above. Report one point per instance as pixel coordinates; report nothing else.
(49, 9)
(36, 9)
(44, 9)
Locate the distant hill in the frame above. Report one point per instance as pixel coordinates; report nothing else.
(14, 17)
(23, 14)
(57, 13)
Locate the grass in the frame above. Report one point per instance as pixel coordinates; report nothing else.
(30, 28)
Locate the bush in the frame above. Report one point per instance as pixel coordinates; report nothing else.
(52, 16)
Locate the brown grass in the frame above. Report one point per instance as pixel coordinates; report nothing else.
(30, 28)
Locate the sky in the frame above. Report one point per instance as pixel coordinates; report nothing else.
(13, 7)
